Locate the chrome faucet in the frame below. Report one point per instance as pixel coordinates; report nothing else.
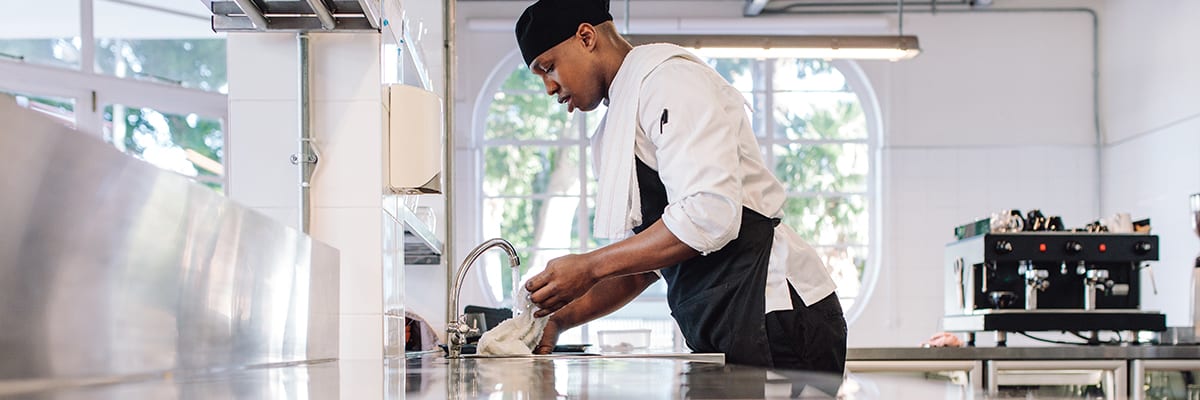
(458, 329)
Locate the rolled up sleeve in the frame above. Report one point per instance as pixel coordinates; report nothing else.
(696, 151)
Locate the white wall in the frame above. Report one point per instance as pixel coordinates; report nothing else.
(1151, 119)
(988, 117)
(996, 113)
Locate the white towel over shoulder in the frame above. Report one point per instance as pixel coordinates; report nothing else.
(618, 203)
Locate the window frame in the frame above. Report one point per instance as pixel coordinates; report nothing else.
(93, 91)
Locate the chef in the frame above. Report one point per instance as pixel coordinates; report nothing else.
(684, 193)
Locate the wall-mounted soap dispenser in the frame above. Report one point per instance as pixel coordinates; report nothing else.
(414, 140)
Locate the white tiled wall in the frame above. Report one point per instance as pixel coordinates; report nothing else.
(349, 137)
(261, 172)
(1152, 120)
(1152, 176)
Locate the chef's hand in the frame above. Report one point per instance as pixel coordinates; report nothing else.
(943, 339)
(549, 337)
(564, 280)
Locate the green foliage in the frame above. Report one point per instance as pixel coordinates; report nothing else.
(843, 120)
(196, 63)
(57, 52)
(522, 111)
(203, 136)
(732, 69)
(806, 67)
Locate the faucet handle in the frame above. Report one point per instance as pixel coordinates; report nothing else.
(460, 327)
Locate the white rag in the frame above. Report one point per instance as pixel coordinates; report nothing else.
(618, 202)
(515, 336)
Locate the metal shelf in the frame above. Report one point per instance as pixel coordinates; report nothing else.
(421, 245)
(296, 16)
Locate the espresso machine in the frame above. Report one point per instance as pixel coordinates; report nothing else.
(1014, 280)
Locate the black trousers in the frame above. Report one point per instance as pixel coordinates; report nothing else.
(810, 338)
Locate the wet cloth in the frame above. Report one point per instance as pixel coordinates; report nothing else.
(516, 336)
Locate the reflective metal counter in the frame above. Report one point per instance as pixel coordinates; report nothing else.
(433, 377)
(1026, 353)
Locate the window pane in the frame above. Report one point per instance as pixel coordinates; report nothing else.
(822, 167)
(829, 220)
(758, 114)
(819, 115)
(171, 43)
(187, 144)
(589, 169)
(520, 79)
(532, 223)
(41, 32)
(740, 72)
(527, 117)
(527, 170)
(846, 265)
(499, 275)
(808, 75)
(592, 120)
(60, 108)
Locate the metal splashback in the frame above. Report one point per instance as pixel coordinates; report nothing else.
(112, 267)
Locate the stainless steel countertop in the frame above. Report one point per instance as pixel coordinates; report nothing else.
(433, 377)
(1025, 353)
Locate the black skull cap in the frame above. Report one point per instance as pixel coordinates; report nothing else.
(547, 23)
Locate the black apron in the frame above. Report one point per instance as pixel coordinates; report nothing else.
(718, 300)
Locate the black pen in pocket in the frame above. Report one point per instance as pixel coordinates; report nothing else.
(662, 121)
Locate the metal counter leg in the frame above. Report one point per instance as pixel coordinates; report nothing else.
(1137, 379)
(991, 386)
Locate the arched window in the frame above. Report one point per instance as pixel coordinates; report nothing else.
(537, 183)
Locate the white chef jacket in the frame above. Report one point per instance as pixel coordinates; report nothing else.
(709, 161)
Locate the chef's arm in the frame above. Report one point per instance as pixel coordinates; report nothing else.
(653, 248)
(570, 277)
(607, 296)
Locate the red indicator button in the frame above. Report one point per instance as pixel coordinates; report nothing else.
(1042, 247)
(1103, 247)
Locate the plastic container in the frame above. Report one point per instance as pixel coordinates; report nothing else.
(623, 341)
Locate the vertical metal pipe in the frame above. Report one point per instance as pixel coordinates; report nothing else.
(626, 17)
(303, 159)
(90, 122)
(448, 181)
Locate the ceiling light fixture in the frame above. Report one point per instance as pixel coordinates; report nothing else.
(821, 47)
(861, 47)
